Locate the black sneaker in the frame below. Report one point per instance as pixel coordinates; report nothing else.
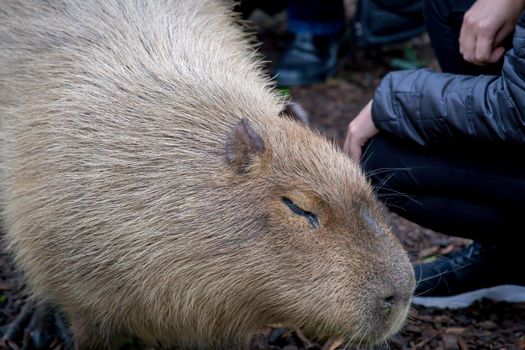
(473, 273)
(309, 59)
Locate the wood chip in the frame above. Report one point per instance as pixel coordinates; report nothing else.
(300, 335)
(462, 344)
(450, 342)
(455, 330)
(448, 249)
(428, 252)
(333, 344)
(4, 286)
(521, 343)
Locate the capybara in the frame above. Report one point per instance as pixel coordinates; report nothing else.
(149, 186)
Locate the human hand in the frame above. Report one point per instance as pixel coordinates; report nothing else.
(484, 27)
(360, 130)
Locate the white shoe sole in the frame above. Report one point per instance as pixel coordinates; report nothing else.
(507, 293)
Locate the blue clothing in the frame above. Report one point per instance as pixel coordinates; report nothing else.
(449, 154)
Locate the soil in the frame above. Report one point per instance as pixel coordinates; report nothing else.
(331, 105)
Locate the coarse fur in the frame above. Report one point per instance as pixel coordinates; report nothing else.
(134, 199)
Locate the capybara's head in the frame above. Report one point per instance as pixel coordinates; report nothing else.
(336, 268)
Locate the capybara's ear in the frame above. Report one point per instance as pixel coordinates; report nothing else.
(242, 144)
(295, 111)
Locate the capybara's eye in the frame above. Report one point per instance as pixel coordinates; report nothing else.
(311, 217)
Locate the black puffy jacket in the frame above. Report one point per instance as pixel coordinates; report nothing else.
(429, 107)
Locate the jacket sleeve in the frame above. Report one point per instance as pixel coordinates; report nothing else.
(426, 106)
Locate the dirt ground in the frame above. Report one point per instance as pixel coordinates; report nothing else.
(331, 105)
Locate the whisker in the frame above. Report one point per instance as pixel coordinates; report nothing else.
(366, 153)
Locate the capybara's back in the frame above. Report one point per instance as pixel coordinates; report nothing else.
(149, 187)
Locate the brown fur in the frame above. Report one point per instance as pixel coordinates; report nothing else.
(122, 207)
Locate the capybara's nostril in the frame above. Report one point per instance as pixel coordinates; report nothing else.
(388, 304)
(389, 301)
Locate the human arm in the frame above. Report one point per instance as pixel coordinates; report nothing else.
(427, 107)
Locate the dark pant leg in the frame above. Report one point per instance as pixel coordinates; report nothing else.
(478, 193)
(443, 19)
(246, 7)
(316, 17)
